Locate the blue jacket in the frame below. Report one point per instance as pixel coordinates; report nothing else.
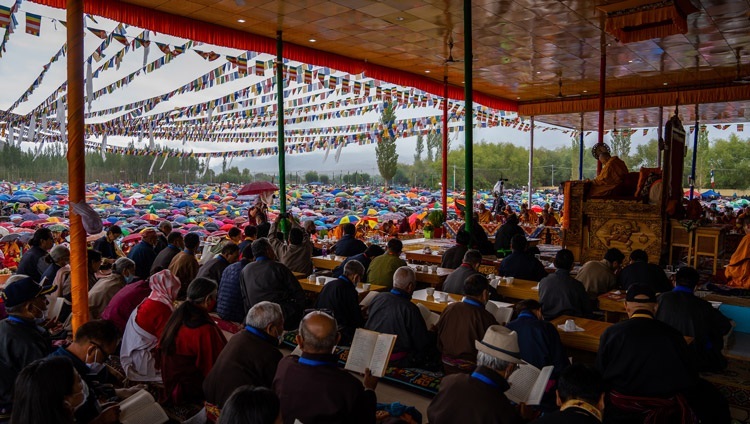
(350, 246)
(229, 304)
(522, 266)
(143, 254)
(539, 342)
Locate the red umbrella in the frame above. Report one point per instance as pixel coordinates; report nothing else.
(226, 227)
(132, 238)
(256, 187)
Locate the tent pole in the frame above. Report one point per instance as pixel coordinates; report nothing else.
(660, 140)
(695, 154)
(280, 121)
(580, 153)
(602, 85)
(76, 164)
(444, 180)
(531, 159)
(468, 118)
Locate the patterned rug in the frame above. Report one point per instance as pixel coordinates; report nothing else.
(734, 384)
(417, 380)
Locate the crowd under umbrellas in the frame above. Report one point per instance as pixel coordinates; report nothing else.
(211, 210)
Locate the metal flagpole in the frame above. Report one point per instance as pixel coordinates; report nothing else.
(444, 180)
(280, 124)
(468, 118)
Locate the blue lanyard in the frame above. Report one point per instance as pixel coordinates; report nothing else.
(526, 314)
(399, 293)
(683, 289)
(314, 363)
(258, 333)
(473, 302)
(484, 379)
(261, 258)
(172, 246)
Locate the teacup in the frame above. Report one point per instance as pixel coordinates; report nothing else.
(430, 291)
(510, 280)
(366, 286)
(321, 281)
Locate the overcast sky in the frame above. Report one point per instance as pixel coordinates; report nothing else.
(27, 54)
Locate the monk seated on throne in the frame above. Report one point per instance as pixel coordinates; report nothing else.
(613, 172)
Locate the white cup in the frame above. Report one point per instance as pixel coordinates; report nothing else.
(433, 269)
(366, 286)
(491, 277)
(430, 291)
(510, 280)
(570, 325)
(443, 297)
(311, 279)
(321, 281)
(332, 256)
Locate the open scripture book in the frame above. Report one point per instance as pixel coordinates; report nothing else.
(430, 318)
(370, 349)
(141, 408)
(527, 384)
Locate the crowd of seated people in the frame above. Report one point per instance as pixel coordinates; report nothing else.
(162, 323)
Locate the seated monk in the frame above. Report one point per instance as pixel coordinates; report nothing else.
(738, 270)
(613, 172)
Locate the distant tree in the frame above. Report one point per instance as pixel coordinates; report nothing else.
(645, 155)
(420, 149)
(311, 176)
(434, 143)
(385, 151)
(325, 179)
(621, 143)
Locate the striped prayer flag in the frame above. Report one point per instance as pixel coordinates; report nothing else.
(4, 16)
(33, 24)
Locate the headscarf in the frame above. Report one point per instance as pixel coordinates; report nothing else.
(164, 287)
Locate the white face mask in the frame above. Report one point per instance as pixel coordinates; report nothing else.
(41, 319)
(84, 392)
(94, 367)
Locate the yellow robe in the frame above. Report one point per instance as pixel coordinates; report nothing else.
(738, 270)
(611, 176)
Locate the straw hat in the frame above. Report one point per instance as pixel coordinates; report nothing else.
(501, 343)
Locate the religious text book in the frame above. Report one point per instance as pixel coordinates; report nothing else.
(370, 349)
(141, 408)
(527, 384)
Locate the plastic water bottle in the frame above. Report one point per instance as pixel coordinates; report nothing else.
(325, 250)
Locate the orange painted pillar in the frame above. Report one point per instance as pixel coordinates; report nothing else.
(79, 286)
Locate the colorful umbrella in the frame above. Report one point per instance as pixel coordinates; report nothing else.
(347, 219)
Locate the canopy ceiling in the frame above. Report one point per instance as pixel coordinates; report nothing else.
(523, 48)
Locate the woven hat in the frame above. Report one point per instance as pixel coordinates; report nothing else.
(500, 342)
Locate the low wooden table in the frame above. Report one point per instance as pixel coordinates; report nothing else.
(325, 262)
(420, 296)
(420, 256)
(317, 288)
(612, 303)
(428, 277)
(588, 339)
(521, 289)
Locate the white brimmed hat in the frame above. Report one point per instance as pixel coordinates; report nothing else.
(501, 343)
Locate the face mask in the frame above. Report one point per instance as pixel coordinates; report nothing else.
(42, 319)
(129, 279)
(84, 392)
(95, 367)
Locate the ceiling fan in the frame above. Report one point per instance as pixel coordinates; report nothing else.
(740, 79)
(450, 59)
(560, 94)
